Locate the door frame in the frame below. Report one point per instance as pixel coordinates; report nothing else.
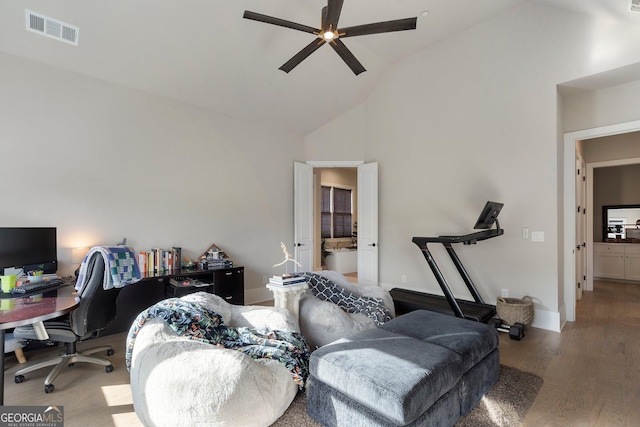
(568, 311)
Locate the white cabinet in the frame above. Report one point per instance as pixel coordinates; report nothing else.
(616, 261)
(632, 262)
(608, 260)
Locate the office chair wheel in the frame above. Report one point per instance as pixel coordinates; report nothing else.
(19, 378)
(48, 388)
(110, 352)
(108, 368)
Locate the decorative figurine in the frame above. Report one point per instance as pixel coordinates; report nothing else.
(287, 257)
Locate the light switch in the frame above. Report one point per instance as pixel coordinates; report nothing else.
(525, 232)
(537, 236)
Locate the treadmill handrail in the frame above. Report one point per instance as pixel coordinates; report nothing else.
(466, 239)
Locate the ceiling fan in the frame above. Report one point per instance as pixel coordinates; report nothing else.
(330, 33)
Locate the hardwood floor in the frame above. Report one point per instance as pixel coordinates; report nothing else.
(353, 277)
(89, 395)
(591, 371)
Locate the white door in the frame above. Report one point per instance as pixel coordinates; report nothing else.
(581, 239)
(368, 224)
(303, 215)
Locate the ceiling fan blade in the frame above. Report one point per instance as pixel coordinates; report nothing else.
(323, 18)
(277, 21)
(347, 56)
(334, 8)
(379, 27)
(300, 56)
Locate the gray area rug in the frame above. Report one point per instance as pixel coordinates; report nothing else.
(506, 404)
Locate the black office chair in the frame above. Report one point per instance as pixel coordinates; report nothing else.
(96, 310)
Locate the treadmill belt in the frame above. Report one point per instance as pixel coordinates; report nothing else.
(406, 300)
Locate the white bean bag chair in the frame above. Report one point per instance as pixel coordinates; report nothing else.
(322, 322)
(180, 382)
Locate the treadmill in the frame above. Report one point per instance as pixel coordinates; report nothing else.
(406, 300)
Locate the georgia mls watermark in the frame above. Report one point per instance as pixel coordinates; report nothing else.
(31, 416)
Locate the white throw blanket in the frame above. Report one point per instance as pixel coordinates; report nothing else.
(121, 268)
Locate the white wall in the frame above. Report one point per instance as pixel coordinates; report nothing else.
(341, 139)
(614, 147)
(595, 108)
(475, 118)
(102, 162)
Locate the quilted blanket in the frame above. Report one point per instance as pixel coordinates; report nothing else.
(326, 290)
(121, 267)
(196, 322)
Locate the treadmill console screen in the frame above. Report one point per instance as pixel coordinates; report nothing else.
(488, 216)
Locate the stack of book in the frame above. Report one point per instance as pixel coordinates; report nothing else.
(215, 263)
(287, 280)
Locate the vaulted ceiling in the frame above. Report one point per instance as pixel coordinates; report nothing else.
(203, 53)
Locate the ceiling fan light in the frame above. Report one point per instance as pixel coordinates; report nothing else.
(328, 35)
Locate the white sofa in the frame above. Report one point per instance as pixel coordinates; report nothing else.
(322, 322)
(179, 382)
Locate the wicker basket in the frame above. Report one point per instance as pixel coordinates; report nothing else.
(514, 310)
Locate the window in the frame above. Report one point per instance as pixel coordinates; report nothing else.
(326, 212)
(335, 212)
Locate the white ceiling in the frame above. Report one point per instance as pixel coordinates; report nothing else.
(203, 53)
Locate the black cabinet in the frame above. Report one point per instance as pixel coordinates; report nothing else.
(227, 283)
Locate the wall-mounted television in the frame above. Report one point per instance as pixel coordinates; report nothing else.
(29, 248)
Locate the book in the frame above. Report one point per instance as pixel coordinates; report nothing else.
(287, 277)
(286, 285)
(176, 255)
(142, 262)
(215, 263)
(287, 280)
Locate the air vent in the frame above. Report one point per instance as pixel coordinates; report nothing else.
(38, 23)
(635, 5)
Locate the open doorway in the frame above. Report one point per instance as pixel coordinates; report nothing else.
(570, 255)
(610, 182)
(363, 223)
(336, 220)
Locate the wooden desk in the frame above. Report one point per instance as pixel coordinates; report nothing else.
(34, 310)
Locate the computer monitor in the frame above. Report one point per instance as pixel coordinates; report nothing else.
(488, 216)
(29, 248)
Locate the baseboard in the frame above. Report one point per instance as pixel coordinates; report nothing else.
(563, 316)
(549, 320)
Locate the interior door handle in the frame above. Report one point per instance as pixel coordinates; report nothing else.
(299, 244)
(372, 244)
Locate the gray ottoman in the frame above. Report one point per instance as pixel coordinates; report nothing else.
(422, 368)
